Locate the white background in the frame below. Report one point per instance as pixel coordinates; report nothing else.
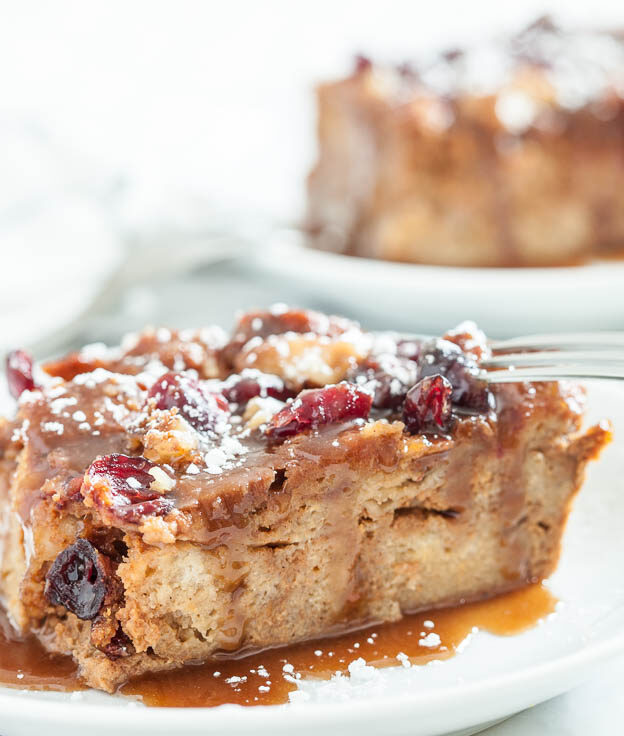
(214, 99)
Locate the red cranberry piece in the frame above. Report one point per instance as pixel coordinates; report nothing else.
(453, 55)
(315, 407)
(410, 349)
(389, 378)
(70, 492)
(445, 358)
(408, 71)
(239, 389)
(19, 370)
(203, 410)
(362, 63)
(119, 646)
(427, 405)
(122, 484)
(77, 580)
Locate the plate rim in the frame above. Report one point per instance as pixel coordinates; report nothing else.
(290, 241)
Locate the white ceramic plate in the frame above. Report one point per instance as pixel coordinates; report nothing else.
(503, 301)
(490, 679)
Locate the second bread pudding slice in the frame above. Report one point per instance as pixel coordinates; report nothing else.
(189, 493)
(507, 153)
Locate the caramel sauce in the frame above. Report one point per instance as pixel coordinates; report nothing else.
(25, 664)
(260, 679)
(266, 682)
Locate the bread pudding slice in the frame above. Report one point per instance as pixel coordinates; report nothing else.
(505, 154)
(189, 495)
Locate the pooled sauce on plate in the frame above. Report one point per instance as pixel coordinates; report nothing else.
(267, 677)
(24, 663)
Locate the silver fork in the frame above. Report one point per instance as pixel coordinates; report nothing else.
(556, 356)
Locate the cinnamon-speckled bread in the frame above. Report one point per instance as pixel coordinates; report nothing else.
(189, 493)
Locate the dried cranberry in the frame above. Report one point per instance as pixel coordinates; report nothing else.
(122, 484)
(315, 407)
(453, 55)
(407, 348)
(19, 370)
(108, 541)
(77, 580)
(388, 377)
(204, 410)
(69, 492)
(445, 358)
(119, 646)
(427, 405)
(362, 63)
(239, 389)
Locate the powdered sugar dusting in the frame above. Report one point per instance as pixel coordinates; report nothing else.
(93, 378)
(53, 427)
(430, 640)
(20, 433)
(57, 406)
(224, 456)
(99, 351)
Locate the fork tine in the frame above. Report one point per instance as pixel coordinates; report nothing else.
(581, 355)
(562, 340)
(546, 358)
(555, 372)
